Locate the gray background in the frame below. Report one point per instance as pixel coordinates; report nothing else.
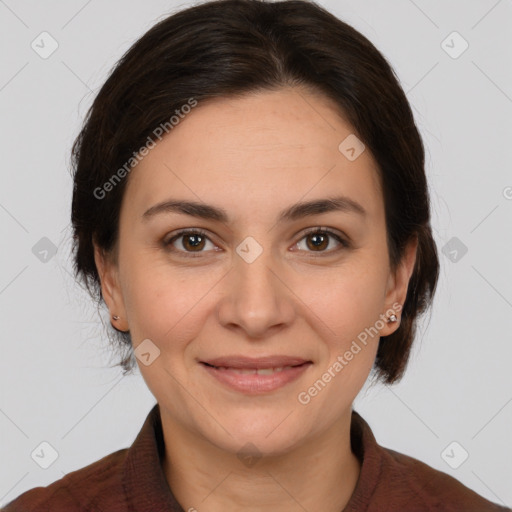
(55, 382)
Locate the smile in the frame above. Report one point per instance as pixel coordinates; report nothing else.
(253, 371)
(257, 377)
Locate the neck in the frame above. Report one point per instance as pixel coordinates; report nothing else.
(318, 475)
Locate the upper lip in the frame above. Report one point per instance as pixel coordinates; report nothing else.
(243, 362)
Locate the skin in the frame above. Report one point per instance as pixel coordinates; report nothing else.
(254, 156)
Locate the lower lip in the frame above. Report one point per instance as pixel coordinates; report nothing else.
(253, 383)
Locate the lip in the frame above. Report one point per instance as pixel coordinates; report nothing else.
(249, 363)
(226, 370)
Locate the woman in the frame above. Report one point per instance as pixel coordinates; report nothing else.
(251, 205)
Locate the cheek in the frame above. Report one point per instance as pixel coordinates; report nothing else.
(346, 300)
(344, 315)
(164, 304)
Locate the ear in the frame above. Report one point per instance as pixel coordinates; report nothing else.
(398, 283)
(110, 288)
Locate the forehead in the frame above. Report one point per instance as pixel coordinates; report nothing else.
(265, 148)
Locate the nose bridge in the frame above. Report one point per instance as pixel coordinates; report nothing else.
(257, 299)
(253, 268)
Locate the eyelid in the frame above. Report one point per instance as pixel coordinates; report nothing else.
(329, 231)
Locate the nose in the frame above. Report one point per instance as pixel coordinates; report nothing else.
(258, 300)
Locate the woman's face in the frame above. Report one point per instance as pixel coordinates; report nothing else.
(255, 284)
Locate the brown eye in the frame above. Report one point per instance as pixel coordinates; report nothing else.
(193, 242)
(188, 241)
(318, 240)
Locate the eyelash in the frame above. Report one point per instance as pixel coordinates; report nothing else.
(197, 231)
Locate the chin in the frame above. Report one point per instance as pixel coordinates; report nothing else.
(268, 437)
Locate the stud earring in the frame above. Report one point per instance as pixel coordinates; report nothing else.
(392, 318)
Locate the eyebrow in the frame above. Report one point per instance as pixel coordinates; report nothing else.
(294, 212)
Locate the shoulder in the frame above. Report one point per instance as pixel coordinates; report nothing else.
(409, 481)
(96, 487)
(389, 478)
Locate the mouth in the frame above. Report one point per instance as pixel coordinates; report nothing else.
(256, 376)
(256, 371)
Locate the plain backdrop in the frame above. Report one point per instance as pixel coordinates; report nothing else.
(55, 380)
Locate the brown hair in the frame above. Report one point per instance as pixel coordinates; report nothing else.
(225, 48)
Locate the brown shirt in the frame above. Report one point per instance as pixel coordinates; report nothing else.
(132, 480)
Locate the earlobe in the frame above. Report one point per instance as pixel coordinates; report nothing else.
(110, 288)
(399, 282)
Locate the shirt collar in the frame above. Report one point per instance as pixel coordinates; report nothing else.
(365, 448)
(146, 487)
(144, 481)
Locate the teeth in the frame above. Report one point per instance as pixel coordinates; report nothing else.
(253, 371)
(266, 371)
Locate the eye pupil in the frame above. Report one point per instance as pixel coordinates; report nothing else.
(197, 243)
(318, 240)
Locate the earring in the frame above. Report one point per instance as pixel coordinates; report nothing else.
(115, 317)
(392, 318)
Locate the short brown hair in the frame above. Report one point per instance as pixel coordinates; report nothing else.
(225, 48)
